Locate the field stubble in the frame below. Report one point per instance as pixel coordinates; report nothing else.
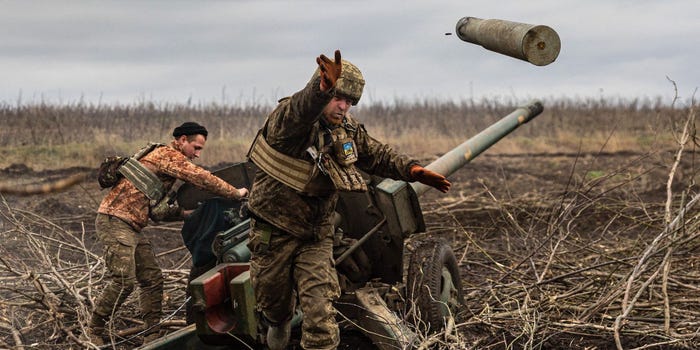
(578, 231)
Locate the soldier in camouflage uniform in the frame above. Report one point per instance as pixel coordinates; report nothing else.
(125, 211)
(291, 235)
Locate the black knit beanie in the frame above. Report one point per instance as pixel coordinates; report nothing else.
(190, 128)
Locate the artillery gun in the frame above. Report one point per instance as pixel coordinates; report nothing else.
(386, 302)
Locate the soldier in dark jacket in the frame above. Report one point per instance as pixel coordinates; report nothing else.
(125, 211)
(310, 149)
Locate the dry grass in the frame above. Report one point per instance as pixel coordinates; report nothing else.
(52, 137)
(558, 280)
(542, 278)
(51, 274)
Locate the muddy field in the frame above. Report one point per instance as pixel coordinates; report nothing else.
(552, 249)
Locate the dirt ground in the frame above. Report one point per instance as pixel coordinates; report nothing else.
(545, 244)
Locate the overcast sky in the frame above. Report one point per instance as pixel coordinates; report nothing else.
(258, 51)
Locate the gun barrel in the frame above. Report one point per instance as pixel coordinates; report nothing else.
(537, 44)
(470, 149)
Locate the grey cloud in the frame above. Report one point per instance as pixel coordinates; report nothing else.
(176, 50)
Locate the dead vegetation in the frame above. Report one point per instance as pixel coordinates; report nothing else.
(75, 134)
(583, 264)
(589, 250)
(50, 277)
(600, 263)
(589, 269)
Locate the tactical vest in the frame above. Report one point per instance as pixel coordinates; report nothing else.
(143, 178)
(332, 168)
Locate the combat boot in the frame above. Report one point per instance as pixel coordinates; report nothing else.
(278, 337)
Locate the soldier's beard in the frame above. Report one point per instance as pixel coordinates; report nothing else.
(334, 118)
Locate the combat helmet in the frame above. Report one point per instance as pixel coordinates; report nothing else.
(349, 84)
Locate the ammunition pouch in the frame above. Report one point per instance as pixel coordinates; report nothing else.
(341, 166)
(344, 178)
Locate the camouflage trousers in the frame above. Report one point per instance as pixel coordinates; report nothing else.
(288, 265)
(129, 258)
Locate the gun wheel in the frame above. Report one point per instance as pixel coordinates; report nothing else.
(434, 286)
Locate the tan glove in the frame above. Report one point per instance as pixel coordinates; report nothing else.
(330, 70)
(430, 178)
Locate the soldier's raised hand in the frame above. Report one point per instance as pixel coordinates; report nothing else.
(430, 178)
(330, 70)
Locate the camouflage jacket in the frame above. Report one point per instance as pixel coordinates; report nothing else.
(291, 128)
(129, 204)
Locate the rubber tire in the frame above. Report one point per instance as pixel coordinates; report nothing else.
(433, 268)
